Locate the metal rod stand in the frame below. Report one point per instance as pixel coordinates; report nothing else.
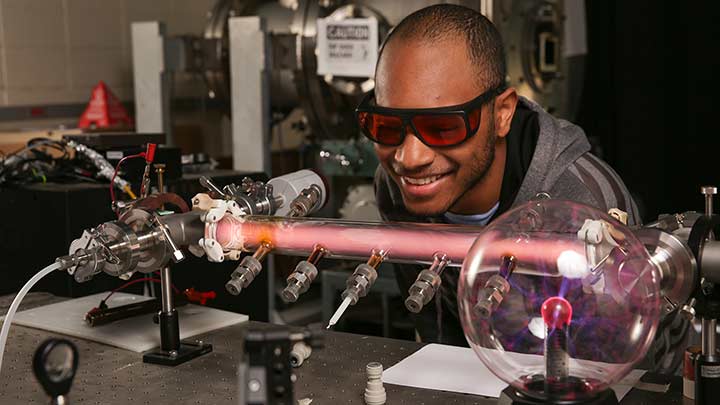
(172, 351)
(707, 365)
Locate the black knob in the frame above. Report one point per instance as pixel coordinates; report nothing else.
(55, 363)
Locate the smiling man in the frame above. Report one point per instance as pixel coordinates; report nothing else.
(457, 145)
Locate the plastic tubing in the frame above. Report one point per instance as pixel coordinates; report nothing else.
(404, 242)
(16, 303)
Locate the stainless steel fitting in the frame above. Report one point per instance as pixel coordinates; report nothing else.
(305, 273)
(249, 268)
(426, 285)
(496, 287)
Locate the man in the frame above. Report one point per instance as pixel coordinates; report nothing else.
(457, 146)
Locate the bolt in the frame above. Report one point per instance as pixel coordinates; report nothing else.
(291, 293)
(173, 353)
(708, 192)
(254, 385)
(414, 303)
(234, 286)
(688, 311)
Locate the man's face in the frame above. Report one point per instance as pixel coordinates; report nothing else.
(416, 75)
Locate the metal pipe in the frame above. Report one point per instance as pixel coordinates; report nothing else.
(167, 292)
(186, 228)
(144, 240)
(159, 170)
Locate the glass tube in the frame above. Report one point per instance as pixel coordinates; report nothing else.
(404, 242)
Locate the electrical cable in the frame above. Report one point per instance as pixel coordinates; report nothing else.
(16, 303)
(30, 162)
(139, 280)
(112, 180)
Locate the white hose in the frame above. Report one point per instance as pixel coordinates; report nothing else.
(16, 303)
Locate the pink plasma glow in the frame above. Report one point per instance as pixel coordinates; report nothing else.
(403, 242)
(556, 312)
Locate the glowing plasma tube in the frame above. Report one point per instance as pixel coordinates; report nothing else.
(403, 242)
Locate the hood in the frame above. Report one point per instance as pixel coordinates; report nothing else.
(559, 144)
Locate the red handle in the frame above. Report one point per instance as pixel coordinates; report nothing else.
(150, 152)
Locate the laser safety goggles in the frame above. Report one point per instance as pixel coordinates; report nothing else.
(443, 126)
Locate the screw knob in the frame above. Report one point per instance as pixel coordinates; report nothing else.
(708, 192)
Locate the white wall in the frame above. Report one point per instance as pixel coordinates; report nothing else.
(55, 51)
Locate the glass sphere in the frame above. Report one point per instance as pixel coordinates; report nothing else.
(559, 299)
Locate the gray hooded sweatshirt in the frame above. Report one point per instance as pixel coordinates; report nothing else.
(561, 166)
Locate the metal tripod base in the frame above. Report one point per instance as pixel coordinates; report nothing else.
(510, 396)
(187, 351)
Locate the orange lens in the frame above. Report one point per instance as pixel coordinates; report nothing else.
(383, 129)
(441, 129)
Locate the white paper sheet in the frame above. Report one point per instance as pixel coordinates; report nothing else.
(137, 334)
(457, 369)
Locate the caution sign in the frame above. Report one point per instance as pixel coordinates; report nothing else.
(347, 47)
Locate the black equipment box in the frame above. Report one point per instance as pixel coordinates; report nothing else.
(117, 145)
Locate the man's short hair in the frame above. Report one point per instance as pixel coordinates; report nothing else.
(448, 21)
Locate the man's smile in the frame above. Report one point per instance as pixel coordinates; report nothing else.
(423, 186)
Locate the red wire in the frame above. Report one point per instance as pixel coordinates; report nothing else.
(137, 280)
(117, 169)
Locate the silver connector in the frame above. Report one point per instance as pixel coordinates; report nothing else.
(490, 297)
(305, 202)
(249, 268)
(426, 284)
(497, 286)
(243, 275)
(359, 283)
(79, 257)
(305, 273)
(299, 281)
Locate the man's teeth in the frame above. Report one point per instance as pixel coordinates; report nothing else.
(422, 181)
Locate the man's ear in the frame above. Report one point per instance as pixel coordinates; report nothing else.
(505, 104)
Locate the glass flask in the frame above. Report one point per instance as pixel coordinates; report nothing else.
(559, 300)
